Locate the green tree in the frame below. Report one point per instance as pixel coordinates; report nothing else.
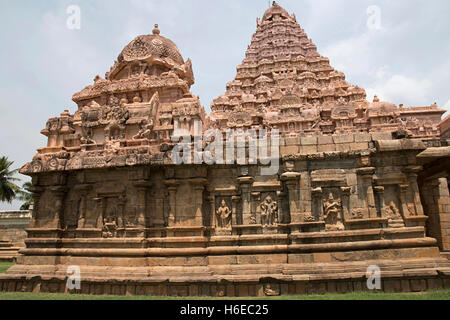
(25, 196)
(8, 189)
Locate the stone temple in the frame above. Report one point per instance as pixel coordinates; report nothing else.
(359, 183)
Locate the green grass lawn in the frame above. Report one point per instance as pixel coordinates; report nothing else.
(431, 295)
(5, 266)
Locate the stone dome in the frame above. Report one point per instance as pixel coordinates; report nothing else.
(381, 108)
(151, 47)
(274, 10)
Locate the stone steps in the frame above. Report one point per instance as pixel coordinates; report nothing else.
(446, 254)
(8, 254)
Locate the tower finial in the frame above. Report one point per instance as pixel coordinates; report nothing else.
(156, 30)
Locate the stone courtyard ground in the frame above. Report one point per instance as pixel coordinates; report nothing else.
(430, 295)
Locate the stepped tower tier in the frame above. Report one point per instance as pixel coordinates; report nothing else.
(132, 113)
(284, 83)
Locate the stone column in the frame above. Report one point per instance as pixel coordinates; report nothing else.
(292, 183)
(366, 175)
(212, 206)
(411, 174)
(198, 186)
(83, 190)
(246, 183)
(256, 200)
(142, 187)
(172, 186)
(379, 190)
(235, 200)
(404, 200)
(36, 193)
(282, 219)
(59, 193)
(101, 206)
(345, 191)
(317, 205)
(121, 212)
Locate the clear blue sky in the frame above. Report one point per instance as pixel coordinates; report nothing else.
(406, 60)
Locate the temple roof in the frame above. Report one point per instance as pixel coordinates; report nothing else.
(275, 10)
(151, 46)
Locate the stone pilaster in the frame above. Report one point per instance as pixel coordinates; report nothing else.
(256, 200)
(436, 195)
(317, 205)
(235, 201)
(142, 188)
(404, 199)
(345, 191)
(411, 175)
(366, 175)
(212, 208)
(101, 206)
(281, 214)
(292, 183)
(379, 191)
(198, 186)
(36, 193)
(83, 190)
(59, 193)
(172, 187)
(245, 183)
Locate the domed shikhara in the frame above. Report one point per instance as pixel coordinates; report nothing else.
(158, 53)
(147, 58)
(135, 109)
(282, 65)
(275, 12)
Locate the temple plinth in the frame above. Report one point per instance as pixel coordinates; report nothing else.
(350, 190)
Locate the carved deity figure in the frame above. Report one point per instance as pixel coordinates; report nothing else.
(145, 130)
(412, 209)
(109, 228)
(87, 136)
(223, 215)
(392, 212)
(269, 212)
(332, 213)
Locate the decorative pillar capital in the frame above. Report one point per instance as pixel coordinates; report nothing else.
(142, 184)
(368, 171)
(198, 183)
(59, 190)
(404, 187)
(245, 180)
(317, 192)
(346, 190)
(172, 184)
(236, 198)
(412, 170)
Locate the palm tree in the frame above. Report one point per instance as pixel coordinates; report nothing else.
(25, 196)
(8, 189)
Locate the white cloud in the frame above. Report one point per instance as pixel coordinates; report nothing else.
(447, 106)
(402, 89)
(350, 54)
